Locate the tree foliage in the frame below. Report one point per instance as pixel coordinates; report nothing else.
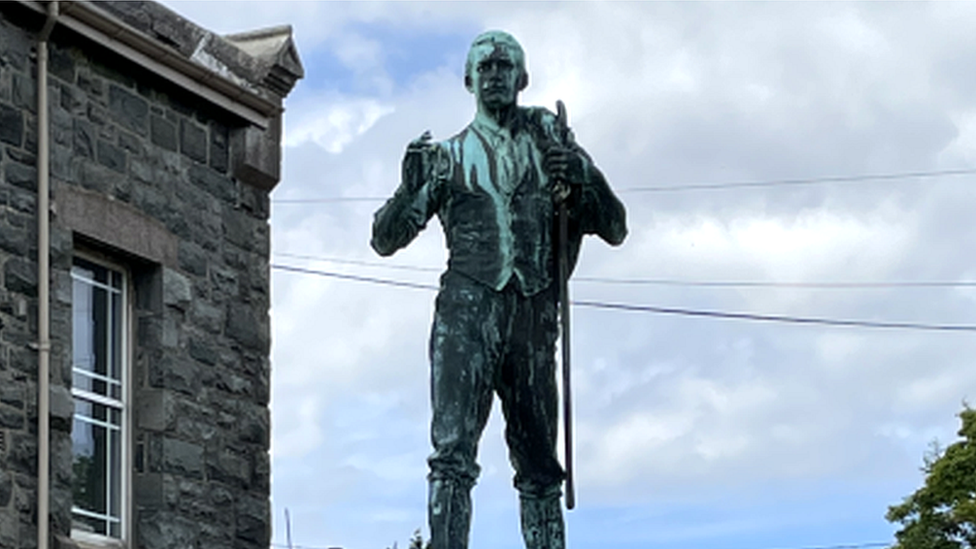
(942, 513)
(416, 542)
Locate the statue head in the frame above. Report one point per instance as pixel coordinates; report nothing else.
(495, 68)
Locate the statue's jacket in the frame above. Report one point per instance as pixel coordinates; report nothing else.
(493, 198)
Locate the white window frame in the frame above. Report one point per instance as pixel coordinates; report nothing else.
(86, 539)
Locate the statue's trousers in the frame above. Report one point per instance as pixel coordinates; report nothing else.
(485, 342)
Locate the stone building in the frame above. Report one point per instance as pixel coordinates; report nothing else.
(137, 152)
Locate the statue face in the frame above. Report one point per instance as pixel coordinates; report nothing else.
(494, 77)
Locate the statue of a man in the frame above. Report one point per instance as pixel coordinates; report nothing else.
(496, 187)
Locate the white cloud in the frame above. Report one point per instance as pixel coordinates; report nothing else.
(692, 433)
(333, 122)
(669, 409)
(297, 431)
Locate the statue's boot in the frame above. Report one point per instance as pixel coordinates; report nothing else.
(542, 523)
(449, 514)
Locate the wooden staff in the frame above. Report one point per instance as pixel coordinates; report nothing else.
(563, 127)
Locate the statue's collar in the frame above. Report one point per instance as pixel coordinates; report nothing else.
(487, 126)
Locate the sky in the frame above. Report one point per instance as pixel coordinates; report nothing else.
(690, 431)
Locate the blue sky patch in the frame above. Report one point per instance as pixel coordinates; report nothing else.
(406, 54)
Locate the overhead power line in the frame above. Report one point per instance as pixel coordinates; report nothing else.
(361, 263)
(287, 546)
(840, 285)
(865, 178)
(798, 285)
(328, 200)
(803, 181)
(846, 546)
(868, 545)
(356, 278)
(671, 310)
(777, 318)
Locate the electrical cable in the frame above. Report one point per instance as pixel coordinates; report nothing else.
(803, 181)
(671, 310)
(845, 546)
(841, 285)
(777, 318)
(356, 278)
(702, 186)
(359, 262)
(795, 285)
(285, 546)
(867, 545)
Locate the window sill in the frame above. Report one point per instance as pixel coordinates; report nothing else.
(86, 540)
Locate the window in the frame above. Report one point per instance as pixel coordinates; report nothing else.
(99, 386)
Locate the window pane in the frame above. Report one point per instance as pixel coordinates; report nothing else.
(89, 451)
(115, 346)
(96, 467)
(83, 408)
(100, 413)
(98, 356)
(100, 335)
(115, 483)
(79, 381)
(87, 524)
(82, 330)
(97, 336)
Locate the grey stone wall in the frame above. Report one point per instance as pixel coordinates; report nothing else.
(141, 172)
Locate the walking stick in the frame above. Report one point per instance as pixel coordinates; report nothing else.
(564, 324)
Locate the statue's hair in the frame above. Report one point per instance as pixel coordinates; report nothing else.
(497, 37)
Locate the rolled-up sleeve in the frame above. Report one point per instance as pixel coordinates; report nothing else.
(407, 212)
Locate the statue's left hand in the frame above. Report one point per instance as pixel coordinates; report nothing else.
(562, 166)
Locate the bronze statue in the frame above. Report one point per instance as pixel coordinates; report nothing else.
(496, 187)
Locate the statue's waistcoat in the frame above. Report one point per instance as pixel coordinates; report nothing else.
(496, 209)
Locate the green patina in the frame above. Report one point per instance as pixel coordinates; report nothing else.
(495, 187)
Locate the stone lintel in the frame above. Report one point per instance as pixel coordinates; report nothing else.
(117, 224)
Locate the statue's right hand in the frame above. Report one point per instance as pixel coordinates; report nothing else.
(421, 142)
(416, 162)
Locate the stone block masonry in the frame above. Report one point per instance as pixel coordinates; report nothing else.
(143, 175)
